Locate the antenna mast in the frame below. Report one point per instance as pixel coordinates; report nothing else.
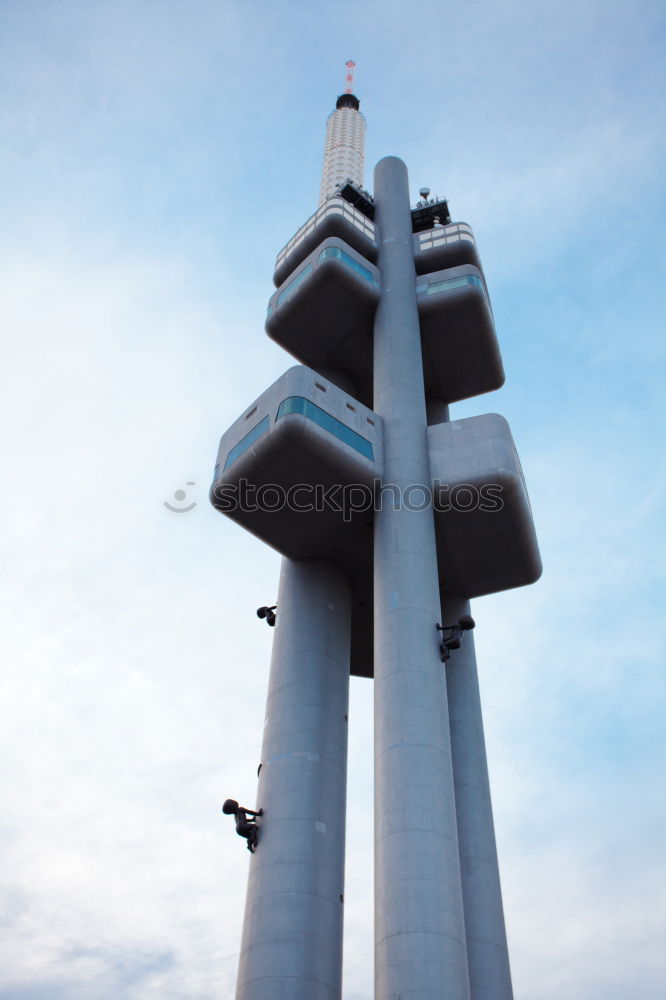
(349, 78)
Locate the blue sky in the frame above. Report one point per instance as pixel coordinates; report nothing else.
(156, 154)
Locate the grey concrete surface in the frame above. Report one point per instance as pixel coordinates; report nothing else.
(292, 933)
(488, 957)
(419, 925)
(486, 541)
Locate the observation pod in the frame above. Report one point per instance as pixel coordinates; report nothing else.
(323, 313)
(299, 470)
(445, 246)
(486, 541)
(323, 316)
(336, 217)
(484, 530)
(306, 437)
(461, 355)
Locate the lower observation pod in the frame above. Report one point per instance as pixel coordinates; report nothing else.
(299, 470)
(484, 529)
(486, 540)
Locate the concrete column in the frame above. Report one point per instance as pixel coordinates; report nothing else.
(437, 411)
(292, 934)
(419, 928)
(488, 956)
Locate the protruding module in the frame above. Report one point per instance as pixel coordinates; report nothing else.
(344, 151)
(298, 469)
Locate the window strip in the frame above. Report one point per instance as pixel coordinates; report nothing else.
(450, 284)
(298, 404)
(247, 441)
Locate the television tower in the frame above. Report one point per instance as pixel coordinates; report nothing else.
(389, 516)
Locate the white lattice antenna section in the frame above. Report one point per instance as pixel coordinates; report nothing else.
(344, 149)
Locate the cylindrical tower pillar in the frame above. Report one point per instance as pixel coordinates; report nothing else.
(488, 956)
(292, 934)
(419, 927)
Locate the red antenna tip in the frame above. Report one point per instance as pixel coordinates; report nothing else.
(349, 78)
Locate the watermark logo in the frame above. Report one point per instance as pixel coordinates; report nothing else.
(350, 499)
(180, 496)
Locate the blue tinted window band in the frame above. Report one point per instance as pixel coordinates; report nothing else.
(293, 285)
(348, 261)
(246, 441)
(298, 404)
(451, 283)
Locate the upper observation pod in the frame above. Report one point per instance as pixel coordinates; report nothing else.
(461, 355)
(323, 315)
(336, 217)
(323, 312)
(445, 246)
(486, 540)
(344, 149)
